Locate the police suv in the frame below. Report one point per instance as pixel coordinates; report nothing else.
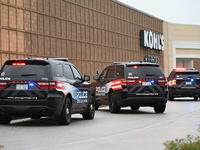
(184, 82)
(134, 84)
(44, 87)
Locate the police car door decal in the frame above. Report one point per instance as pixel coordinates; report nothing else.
(81, 96)
(115, 85)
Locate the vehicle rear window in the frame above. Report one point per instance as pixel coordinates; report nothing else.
(144, 72)
(187, 74)
(28, 70)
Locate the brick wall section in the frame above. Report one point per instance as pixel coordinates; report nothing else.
(91, 33)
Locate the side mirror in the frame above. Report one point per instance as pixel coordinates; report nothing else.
(95, 77)
(98, 72)
(86, 78)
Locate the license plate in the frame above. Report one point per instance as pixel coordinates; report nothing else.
(22, 87)
(146, 83)
(188, 83)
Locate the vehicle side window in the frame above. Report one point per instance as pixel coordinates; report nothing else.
(68, 72)
(104, 73)
(119, 71)
(76, 73)
(110, 73)
(172, 75)
(58, 70)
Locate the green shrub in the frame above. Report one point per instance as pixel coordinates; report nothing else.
(189, 143)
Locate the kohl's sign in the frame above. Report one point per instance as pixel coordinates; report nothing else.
(151, 40)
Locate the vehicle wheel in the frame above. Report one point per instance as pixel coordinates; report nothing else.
(96, 107)
(171, 98)
(113, 104)
(134, 107)
(160, 108)
(196, 98)
(35, 117)
(5, 119)
(65, 117)
(90, 109)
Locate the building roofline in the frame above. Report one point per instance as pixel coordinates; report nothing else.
(121, 3)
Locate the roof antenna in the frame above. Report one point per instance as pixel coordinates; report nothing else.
(29, 57)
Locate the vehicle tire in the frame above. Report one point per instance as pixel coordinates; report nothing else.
(135, 107)
(196, 98)
(113, 107)
(35, 117)
(96, 107)
(5, 119)
(171, 98)
(89, 114)
(65, 117)
(160, 108)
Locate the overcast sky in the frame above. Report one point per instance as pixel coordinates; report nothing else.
(172, 11)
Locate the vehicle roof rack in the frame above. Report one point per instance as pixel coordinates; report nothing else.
(60, 59)
(118, 62)
(29, 57)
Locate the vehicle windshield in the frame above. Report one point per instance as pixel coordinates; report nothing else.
(144, 72)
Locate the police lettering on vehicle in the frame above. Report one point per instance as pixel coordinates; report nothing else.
(100, 89)
(82, 94)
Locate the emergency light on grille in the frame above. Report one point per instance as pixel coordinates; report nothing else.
(152, 81)
(192, 80)
(31, 84)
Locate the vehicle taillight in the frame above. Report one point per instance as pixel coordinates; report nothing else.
(162, 82)
(60, 85)
(47, 85)
(127, 82)
(172, 82)
(51, 85)
(3, 85)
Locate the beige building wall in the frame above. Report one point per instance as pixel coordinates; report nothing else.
(182, 43)
(91, 33)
